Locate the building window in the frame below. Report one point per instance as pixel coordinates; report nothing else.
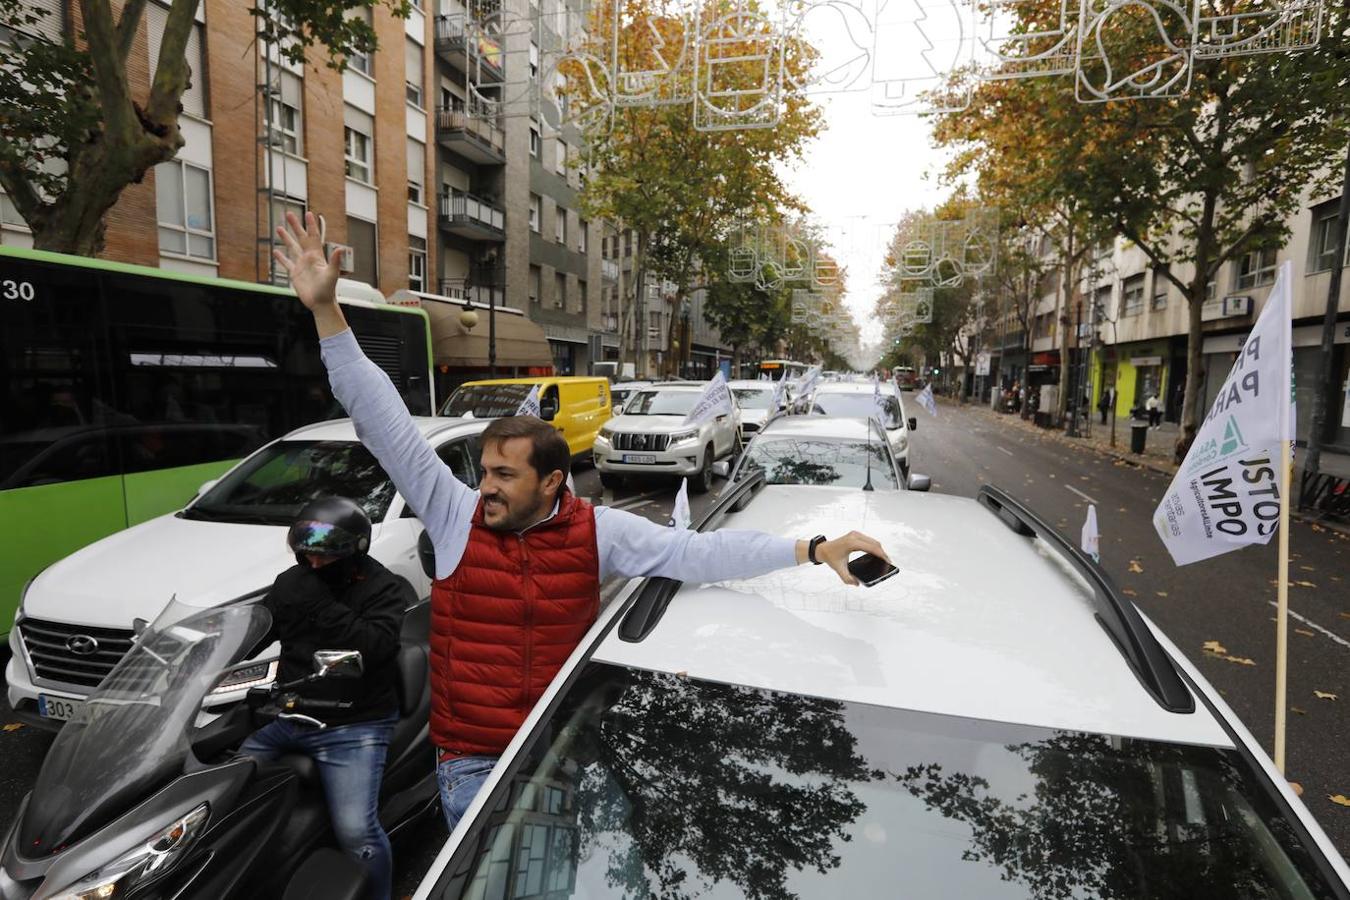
(362, 237)
(583, 237)
(358, 145)
(417, 263)
(285, 134)
(1257, 268)
(417, 171)
(534, 61)
(560, 224)
(280, 206)
(560, 290)
(534, 142)
(1132, 296)
(359, 61)
(1322, 247)
(560, 163)
(1160, 289)
(536, 212)
(413, 65)
(536, 277)
(581, 295)
(183, 201)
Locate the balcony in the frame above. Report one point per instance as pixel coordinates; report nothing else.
(466, 44)
(472, 217)
(476, 137)
(462, 289)
(609, 270)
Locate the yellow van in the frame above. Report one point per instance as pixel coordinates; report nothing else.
(576, 405)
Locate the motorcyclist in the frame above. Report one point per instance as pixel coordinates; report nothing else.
(337, 597)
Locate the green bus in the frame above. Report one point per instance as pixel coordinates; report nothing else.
(124, 388)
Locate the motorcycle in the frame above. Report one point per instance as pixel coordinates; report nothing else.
(140, 797)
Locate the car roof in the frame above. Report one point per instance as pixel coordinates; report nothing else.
(538, 379)
(1014, 638)
(849, 387)
(429, 426)
(741, 384)
(842, 427)
(676, 386)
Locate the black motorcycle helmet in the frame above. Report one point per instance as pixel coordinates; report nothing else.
(330, 526)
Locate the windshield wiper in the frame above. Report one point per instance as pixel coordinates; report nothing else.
(236, 518)
(199, 513)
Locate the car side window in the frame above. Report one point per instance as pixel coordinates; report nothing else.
(462, 458)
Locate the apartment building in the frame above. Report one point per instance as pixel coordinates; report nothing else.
(1132, 334)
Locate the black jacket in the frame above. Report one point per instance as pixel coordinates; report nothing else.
(365, 613)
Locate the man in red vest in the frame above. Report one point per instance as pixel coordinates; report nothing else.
(520, 560)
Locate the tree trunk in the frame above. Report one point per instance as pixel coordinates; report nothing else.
(1069, 288)
(1195, 358)
(1322, 386)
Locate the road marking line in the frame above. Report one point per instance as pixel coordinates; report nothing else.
(1080, 493)
(1311, 624)
(1009, 452)
(636, 501)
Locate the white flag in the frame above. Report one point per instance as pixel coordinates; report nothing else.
(807, 382)
(715, 401)
(925, 398)
(530, 405)
(1091, 540)
(1227, 492)
(780, 385)
(680, 516)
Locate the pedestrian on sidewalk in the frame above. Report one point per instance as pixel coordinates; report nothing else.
(1154, 413)
(1107, 401)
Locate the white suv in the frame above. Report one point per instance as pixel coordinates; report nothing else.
(1012, 729)
(651, 438)
(76, 618)
(845, 398)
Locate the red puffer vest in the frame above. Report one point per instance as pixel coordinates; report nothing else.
(504, 622)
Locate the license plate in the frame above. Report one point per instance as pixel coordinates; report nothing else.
(647, 458)
(59, 708)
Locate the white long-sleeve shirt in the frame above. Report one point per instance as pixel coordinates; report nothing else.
(629, 545)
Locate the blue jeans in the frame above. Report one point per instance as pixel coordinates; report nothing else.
(351, 764)
(459, 780)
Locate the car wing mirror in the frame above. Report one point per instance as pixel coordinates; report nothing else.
(920, 483)
(426, 554)
(913, 423)
(547, 411)
(338, 664)
(722, 469)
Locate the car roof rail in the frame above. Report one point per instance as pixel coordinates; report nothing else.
(650, 601)
(1117, 615)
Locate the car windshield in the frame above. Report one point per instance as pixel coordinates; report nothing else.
(753, 398)
(838, 462)
(647, 784)
(859, 404)
(133, 732)
(661, 403)
(271, 486)
(486, 401)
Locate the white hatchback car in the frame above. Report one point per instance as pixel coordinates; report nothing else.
(825, 450)
(1012, 729)
(759, 402)
(76, 618)
(650, 437)
(843, 398)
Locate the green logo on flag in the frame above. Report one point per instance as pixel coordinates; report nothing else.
(1232, 438)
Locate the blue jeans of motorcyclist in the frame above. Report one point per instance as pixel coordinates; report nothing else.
(351, 764)
(460, 779)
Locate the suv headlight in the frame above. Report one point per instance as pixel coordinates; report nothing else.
(605, 432)
(679, 437)
(141, 864)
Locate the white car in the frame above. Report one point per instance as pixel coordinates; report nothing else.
(1008, 729)
(77, 617)
(650, 437)
(825, 450)
(857, 399)
(621, 391)
(756, 401)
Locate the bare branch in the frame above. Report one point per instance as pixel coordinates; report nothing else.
(173, 74)
(122, 126)
(126, 27)
(14, 179)
(1159, 263)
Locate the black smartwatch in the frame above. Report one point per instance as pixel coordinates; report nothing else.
(811, 548)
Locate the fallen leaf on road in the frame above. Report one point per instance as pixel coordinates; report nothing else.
(1305, 632)
(1240, 660)
(1304, 584)
(1161, 593)
(1298, 709)
(1214, 647)
(13, 726)
(1135, 567)
(1129, 593)
(1122, 509)
(1325, 695)
(1318, 528)
(1339, 799)
(1296, 788)
(1307, 568)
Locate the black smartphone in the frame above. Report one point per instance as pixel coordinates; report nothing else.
(870, 569)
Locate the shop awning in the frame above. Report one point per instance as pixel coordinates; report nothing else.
(520, 342)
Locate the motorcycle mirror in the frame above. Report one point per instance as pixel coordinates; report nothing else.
(338, 663)
(138, 626)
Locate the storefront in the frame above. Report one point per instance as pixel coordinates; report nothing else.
(1136, 372)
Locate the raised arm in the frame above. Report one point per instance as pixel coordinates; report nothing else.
(633, 547)
(382, 421)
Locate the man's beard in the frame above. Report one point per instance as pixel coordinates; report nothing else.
(516, 520)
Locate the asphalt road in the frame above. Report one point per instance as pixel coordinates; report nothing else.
(1228, 599)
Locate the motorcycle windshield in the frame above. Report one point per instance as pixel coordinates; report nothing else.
(132, 735)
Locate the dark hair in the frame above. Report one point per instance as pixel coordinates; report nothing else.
(548, 450)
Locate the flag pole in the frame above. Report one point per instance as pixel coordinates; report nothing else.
(1282, 614)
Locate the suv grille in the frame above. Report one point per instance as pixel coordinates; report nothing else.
(656, 442)
(49, 646)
